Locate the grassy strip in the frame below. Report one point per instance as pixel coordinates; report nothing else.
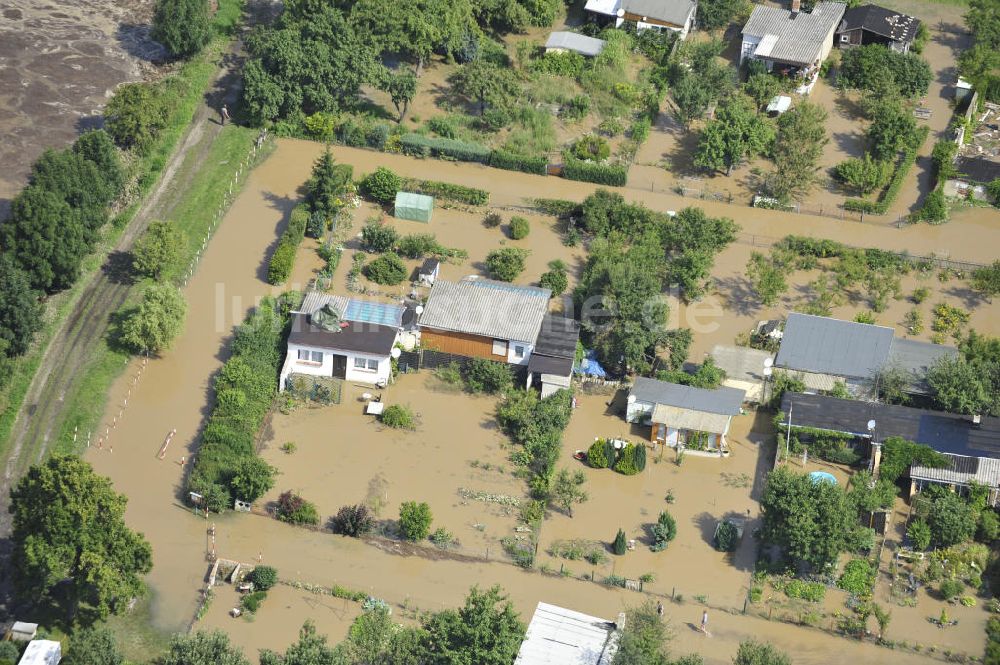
(194, 77)
(84, 407)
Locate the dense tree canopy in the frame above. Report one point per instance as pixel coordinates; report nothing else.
(869, 67)
(20, 309)
(797, 150)
(485, 631)
(183, 26)
(134, 115)
(203, 648)
(736, 133)
(486, 84)
(155, 321)
(93, 646)
(981, 63)
(716, 14)
(71, 544)
(644, 639)
(970, 383)
(159, 250)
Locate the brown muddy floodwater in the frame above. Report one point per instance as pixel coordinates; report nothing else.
(343, 457)
(60, 61)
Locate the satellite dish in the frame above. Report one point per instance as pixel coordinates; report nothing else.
(621, 12)
(395, 353)
(768, 371)
(769, 361)
(419, 310)
(631, 399)
(871, 425)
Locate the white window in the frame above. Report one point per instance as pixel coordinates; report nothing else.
(317, 357)
(518, 351)
(307, 356)
(499, 347)
(844, 39)
(359, 363)
(373, 365)
(303, 354)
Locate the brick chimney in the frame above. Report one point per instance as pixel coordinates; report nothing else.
(796, 6)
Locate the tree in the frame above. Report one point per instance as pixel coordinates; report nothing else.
(71, 545)
(134, 115)
(555, 278)
(506, 263)
(716, 14)
(387, 269)
(919, 534)
(736, 133)
(864, 175)
(263, 577)
(798, 148)
(767, 277)
(353, 521)
(962, 387)
(752, 652)
(402, 88)
(327, 183)
(374, 638)
(619, 545)
(893, 129)
(644, 638)
(202, 648)
(252, 478)
(158, 250)
(567, 490)
(691, 98)
(20, 309)
(663, 531)
(310, 649)
(951, 520)
(935, 208)
(183, 26)
(46, 239)
(762, 88)
(97, 147)
(987, 280)
(415, 520)
(381, 185)
(485, 631)
(872, 66)
(152, 325)
(93, 646)
(378, 237)
(485, 83)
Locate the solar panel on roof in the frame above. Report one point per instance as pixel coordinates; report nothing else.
(373, 312)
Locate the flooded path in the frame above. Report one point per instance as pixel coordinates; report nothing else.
(173, 392)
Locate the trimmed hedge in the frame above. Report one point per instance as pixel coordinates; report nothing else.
(602, 174)
(505, 160)
(422, 146)
(244, 389)
(448, 191)
(891, 190)
(283, 258)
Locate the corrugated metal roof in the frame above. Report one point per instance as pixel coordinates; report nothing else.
(698, 421)
(725, 401)
(983, 470)
(799, 36)
(577, 43)
(558, 636)
(676, 12)
(486, 308)
(831, 346)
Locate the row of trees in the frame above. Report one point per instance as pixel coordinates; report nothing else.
(981, 63)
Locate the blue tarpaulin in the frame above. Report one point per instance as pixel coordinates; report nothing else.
(590, 367)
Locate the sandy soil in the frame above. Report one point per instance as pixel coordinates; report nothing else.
(173, 392)
(60, 63)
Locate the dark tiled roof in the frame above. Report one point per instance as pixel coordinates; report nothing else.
(539, 364)
(429, 266)
(945, 432)
(881, 21)
(978, 169)
(725, 401)
(357, 337)
(557, 337)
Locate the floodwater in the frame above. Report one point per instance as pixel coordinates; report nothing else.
(61, 62)
(173, 392)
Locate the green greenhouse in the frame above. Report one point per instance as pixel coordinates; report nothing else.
(416, 207)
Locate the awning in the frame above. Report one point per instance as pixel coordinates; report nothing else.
(698, 421)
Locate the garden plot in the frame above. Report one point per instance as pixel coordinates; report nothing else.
(455, 460)
(703, 490)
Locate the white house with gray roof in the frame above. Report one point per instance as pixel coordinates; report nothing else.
(674, 15)
(685, 416)
(822, 351)
(484, 318)
(792, 43)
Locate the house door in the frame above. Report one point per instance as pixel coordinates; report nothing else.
(339, 367)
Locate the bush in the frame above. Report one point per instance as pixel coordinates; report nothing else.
(619, 546)
(449, 192)
(726, 537)
(487, 376)
(415, 520)
(10, 654)
(263, 577)
(500, 159)
(663, 531)
(353, 521)
(858, 578)
(951, 589)
(626, 461)
(507, 263)
(378, 237)
(251, 601)
(591, 148)
(283, 258)
(602, 174)
(381, 185)
(422, 146)
(398, 416)
(989, 526)
(492, 220)
(519, 228)
(555, 279)
(388, 269)
(639, 457)
(935, 208)
(296, 510)
(595, 455)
